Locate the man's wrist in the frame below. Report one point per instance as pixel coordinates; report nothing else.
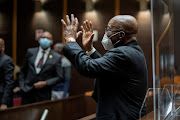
(70, 39)
(91, 52)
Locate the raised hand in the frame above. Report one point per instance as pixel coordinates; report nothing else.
(70, 29)
(88, 35)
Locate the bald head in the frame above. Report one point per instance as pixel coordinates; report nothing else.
(126, 23)
(122, 29)
(48, 35)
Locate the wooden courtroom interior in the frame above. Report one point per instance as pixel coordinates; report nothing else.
(19, 19)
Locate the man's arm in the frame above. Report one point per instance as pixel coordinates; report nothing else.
(113, 61)
(23, 72)
(8, 78)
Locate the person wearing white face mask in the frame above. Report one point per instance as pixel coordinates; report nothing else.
(41, 69)
(121, 74)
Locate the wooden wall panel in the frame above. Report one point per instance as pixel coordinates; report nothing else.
(132, 7)
(6, 8)
(29, 19)
(176, 35)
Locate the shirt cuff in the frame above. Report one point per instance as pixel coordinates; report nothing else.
(91, 52)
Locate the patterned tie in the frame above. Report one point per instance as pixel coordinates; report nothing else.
(40, 64)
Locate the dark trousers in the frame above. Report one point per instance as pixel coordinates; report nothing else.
(35, 96)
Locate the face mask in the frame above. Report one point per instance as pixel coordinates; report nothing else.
(45, 43)
(107, 43)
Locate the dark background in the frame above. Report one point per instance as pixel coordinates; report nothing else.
(29, 18)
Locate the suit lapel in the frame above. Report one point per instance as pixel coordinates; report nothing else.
(48, 60)
(33, 58)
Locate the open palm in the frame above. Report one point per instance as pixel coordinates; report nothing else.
(88, 35)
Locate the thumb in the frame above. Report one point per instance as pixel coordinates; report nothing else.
(78, 33)
(92, 36)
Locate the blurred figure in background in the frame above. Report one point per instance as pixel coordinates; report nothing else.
(40, 71)
(6, 78)
(60, 90)
(16, 90)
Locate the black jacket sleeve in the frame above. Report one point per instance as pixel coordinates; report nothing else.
(8, 78)
(95, 55)
(112, 61)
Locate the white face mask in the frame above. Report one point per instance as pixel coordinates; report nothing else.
(107, 43)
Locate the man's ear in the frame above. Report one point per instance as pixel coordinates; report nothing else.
(3, 48)
(52, 42)
(122, 35)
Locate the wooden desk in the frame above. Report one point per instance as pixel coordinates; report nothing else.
(90, 117)
(71, 108)
(149, 116)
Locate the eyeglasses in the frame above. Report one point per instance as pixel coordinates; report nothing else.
(112, 30)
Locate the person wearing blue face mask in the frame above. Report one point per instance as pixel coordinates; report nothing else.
(120, 74)
(40, 71)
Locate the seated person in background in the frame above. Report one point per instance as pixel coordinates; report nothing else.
(41, 69)
(60, 90)
(121, 74)
(6, 78)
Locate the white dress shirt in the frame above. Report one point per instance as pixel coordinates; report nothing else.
(38, 57)
(91, 52)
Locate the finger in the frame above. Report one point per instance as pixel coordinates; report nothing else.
(82, 28)
(91, 26)
(64, 23)
(88, 25)
(91, 37)
(68, 20)
(79, 33)
(85, 26)
(76, 22)
(72, 19)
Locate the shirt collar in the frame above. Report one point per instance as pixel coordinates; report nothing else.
(1, 53)
(46, 51)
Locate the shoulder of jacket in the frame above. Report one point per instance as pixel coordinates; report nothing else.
(7, 59)
(32, 49)
(57, 55)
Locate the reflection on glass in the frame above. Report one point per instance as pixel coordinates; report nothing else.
(164, 89)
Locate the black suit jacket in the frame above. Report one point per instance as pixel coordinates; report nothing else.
(51, 71)
(121, 79)
(6, 79)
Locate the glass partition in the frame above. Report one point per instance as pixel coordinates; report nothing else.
(164, 96)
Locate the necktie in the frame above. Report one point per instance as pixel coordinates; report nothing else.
(40, 64)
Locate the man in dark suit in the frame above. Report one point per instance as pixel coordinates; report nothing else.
(6, 78)
(121, 74)
(41, 69)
